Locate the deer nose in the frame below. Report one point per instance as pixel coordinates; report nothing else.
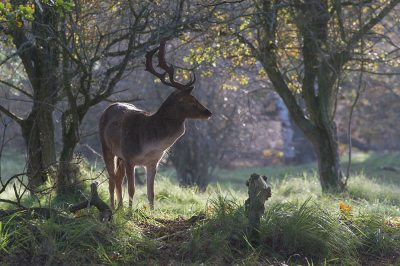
(208, 113)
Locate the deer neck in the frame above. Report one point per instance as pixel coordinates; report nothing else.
(169, 123)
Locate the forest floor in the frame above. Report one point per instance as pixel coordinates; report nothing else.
(301, 225)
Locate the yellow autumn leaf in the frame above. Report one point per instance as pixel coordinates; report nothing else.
(267, 153)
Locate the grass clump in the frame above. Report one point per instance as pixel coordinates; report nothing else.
(373, 189)
(376, 235)
(308, 229)
(41, 242)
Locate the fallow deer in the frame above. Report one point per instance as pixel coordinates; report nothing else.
(132, 137)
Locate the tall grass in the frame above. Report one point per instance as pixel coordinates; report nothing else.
(301, 225)
(310, 229)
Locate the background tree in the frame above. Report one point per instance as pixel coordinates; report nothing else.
(305, 49)
(40, 59)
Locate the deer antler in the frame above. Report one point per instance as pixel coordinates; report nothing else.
(163, 65)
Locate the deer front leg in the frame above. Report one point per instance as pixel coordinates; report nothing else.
(111, 187)
(108, 158)
(150, 176)
(119, 177)
(130, 175)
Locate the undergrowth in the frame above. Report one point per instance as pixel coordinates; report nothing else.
(301, 226)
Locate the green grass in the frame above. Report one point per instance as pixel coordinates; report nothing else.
(370, 164)
(365, 163)
(301, 225)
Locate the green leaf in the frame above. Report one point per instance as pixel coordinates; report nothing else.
(8, 6)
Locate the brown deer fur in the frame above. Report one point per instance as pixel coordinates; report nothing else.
(132, 137)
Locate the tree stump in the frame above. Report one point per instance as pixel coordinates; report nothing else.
(258, 194)
(105, 210)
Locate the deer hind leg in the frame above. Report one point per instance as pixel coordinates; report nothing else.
(108, 158)
(130, 176)
(119, 177)
(150, 176)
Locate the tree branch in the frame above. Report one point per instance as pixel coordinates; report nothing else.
(16, 88)
(221, 3)
(11, 115)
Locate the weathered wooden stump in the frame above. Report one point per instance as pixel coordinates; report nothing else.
(259, 192)
(105, 210)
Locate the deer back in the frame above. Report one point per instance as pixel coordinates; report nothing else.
(134, 134)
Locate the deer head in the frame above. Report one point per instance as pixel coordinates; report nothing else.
(184, 103)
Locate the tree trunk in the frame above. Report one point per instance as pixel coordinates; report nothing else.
(329, 169)
(38, 127)
(41, 65)
(319, 129)
(67, 169)
(38, 136)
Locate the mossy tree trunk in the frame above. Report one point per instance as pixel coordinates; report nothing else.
(38, 137)
(40, 61)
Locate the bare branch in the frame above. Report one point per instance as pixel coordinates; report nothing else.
(16, 88)
(221, 3)
(20, 50)
(14, 203)
(11, 115)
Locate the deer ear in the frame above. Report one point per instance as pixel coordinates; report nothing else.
(187, 91)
